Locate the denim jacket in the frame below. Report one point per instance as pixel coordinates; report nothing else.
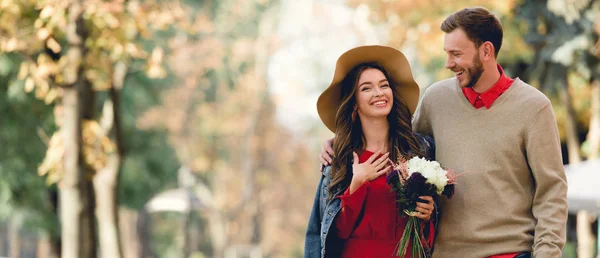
(321, 236)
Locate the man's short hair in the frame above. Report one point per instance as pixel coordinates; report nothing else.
(478, 23)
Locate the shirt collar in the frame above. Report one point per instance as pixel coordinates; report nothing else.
(492, 94)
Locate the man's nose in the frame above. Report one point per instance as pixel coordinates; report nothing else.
(449, 63)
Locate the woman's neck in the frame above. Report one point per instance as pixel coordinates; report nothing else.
(376, 134)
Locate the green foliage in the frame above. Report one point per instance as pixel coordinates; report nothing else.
(150, 164)
(24, 124)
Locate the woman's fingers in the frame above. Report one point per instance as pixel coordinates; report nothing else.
(380, 172)
(373, 157)
(422, 216)
(323, 161)
(423, 213)
(380, 162)
(423, 207)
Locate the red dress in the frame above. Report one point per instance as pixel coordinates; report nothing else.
(369, 221)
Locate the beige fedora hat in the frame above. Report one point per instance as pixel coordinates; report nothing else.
(392, 60)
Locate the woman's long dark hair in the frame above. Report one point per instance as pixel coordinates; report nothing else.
(349, 136)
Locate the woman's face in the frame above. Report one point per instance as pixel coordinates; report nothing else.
(374, 97)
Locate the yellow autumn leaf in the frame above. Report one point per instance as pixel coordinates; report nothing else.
(156, 72)
(10, 7)
(5, 4)
(59, 20)
(111, 21)
(42, 88)
(69, 74)
(54, 178)
(101, 85)
(157, 55)
(43, 59)
(155, 69)
(135, 51)
(47, 12)
(70, 65)
(52, 163)
(10, 45)
(43, 33)
(107, 145)
(38, 24)
(53, 45)
(130, 29)
(99, 22)
(23, 71)
(43, 70)
(117, 52)
(51, 96)
(91, 74)
(29, 85)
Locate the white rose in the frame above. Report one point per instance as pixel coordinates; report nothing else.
(435, 164)
(440, 180)
(428, 172)
(415, 165)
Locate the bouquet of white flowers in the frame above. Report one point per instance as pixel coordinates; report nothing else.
(409, 180)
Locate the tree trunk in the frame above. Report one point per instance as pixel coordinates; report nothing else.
(105, 186)
(185, 230)
(53, 235)
(14, 237)
(593, 137)
(107, 179)
(585, 235)
(585, 238)
(585, 243)
(216, 224)
(45, 247)
(4, 239)
(73, 200)
(130, 240)
(76, 194)
(143, 228)
(573, 145)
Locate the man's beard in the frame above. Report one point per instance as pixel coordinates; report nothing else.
(475, 72)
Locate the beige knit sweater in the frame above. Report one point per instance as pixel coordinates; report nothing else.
(512, 197)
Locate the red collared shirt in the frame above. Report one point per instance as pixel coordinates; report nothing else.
(479, 100)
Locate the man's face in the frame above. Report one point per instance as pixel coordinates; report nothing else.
(463, 58)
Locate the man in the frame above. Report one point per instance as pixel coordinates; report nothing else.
(511, 200)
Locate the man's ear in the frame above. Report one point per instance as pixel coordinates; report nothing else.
(488, 50)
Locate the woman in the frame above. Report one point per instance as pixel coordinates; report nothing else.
(368, 106)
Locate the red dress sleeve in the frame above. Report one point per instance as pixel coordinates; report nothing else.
(352, 205)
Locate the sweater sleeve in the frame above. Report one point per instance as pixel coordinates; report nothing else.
(352, 205)
(550, 196)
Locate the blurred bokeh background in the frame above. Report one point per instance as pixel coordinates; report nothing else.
(188, 128)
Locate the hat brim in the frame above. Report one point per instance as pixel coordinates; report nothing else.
(392, 60)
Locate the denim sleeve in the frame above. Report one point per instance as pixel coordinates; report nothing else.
(312, 243)
(427, 145)
(430, 147)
